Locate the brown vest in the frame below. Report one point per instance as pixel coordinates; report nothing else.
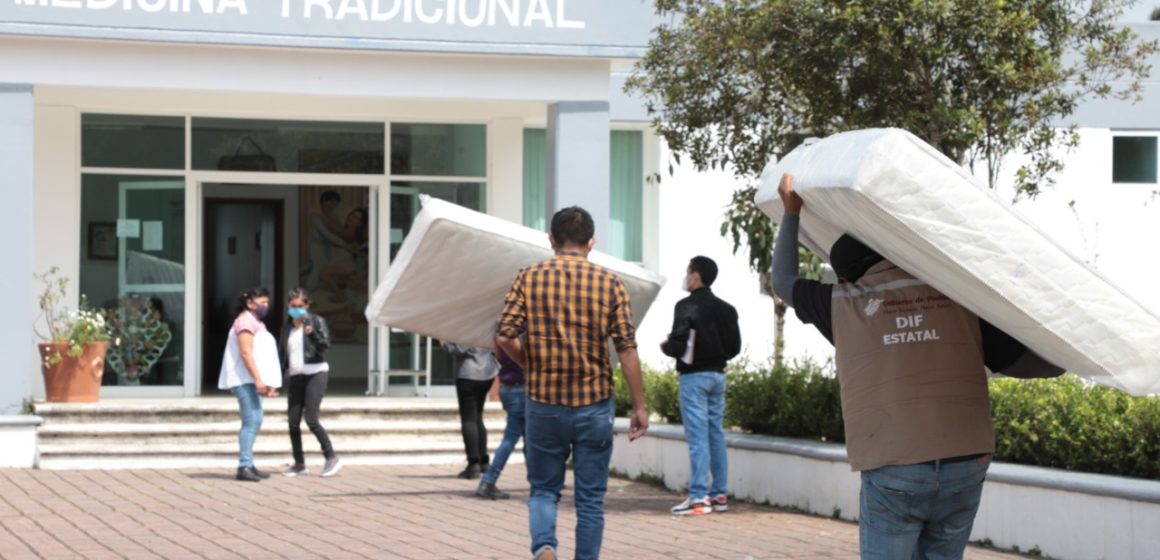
(910, 365)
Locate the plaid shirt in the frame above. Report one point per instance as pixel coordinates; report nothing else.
(570, 307)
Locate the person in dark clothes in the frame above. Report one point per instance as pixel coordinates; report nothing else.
(475, 372)
(305, 340)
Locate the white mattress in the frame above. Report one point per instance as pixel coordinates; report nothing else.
(928, 215)
(455, 266)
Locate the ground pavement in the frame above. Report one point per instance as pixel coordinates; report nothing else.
(369, 512)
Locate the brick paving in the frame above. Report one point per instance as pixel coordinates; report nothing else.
(369, 512)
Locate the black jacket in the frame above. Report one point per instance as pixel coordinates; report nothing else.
(718, 337)
(314, 345)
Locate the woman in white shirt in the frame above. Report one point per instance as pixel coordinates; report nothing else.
(305, 340)
(250, 371)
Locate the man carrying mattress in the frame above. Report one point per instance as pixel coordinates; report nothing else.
(570, 308)
(914, 391)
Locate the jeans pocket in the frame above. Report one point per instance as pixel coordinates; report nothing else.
(594, 432)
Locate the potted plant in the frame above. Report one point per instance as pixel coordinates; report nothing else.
(72, 352)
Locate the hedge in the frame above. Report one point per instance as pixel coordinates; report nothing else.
(1066, 423)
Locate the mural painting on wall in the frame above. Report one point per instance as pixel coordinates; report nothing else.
(335, 256)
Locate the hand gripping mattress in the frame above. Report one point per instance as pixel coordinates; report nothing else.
(455, 266)
(928, 215)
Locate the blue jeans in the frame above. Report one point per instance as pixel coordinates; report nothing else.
(514, 401)
(703, 415)
(920, 511)
(554, 433)
(250, 408)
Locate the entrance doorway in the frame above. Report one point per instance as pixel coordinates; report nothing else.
(243, 249)
(281, 237)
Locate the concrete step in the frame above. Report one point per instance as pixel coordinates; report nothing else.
(217, 432)
(225, 410)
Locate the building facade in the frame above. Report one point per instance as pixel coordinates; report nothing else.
(172, 153)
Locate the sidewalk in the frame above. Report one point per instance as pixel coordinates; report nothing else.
(369, 512)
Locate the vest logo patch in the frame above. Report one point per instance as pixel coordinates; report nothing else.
(872, 307)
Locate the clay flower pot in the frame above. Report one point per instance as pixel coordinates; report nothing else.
(73, 379)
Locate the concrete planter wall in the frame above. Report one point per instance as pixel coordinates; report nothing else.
(1067, 515)
(18, 441)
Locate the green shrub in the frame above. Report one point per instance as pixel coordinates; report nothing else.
(1073, 424)
(797, 400)
(661, 394)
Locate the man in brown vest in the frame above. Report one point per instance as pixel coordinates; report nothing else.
(917, 413)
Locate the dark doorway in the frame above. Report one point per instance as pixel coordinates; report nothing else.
(243, 249)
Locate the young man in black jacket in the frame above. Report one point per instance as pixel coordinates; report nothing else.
(705, 336)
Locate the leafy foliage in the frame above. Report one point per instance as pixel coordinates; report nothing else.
(733, 82)
(74, 328)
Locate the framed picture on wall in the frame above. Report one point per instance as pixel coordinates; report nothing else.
(103, 241)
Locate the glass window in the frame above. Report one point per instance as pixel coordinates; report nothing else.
(1134, 159)
(627, 195)
(133, 266)
(535, 178)
(287, 146)
(447, 150)
(132, 141)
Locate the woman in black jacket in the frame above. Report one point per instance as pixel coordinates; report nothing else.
(305, 339)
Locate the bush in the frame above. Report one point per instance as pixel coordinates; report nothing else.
(799, 400)
(1070, 423)
(661, 394)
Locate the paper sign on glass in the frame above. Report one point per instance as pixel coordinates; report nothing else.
(128, 228)
(152, 240)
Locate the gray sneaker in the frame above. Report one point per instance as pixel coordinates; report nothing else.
(332, 467)
(296, 470)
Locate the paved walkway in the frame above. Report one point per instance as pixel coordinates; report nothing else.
(368, 512)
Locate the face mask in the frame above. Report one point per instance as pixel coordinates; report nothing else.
(297, 312)
(261, 310)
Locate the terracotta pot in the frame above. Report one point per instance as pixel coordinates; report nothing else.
(73, 379)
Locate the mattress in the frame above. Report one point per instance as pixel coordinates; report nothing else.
(926, 214)
(453, 269)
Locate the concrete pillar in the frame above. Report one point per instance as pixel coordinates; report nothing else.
(16, 339)
(505, 190)
(578, 161)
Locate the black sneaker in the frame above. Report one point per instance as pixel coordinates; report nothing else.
(470, 473)
(247, 474)
(259, 473)
(489, 491)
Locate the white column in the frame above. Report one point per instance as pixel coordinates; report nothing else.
(505, 186)
(16, 339)
(578, 161)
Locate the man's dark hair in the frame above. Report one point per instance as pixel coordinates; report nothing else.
(329, 195)
(572, 226)
(705, 268)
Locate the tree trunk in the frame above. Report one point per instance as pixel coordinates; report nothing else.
(779, 308)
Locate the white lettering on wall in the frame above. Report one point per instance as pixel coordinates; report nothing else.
(377, 14)
(562, 21)
(538, 11)
(452, 13)
(424, 16)
(511, 11)
(308, 8)
(356, 7)
(480, 13)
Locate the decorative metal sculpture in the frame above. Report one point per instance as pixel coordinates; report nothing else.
(139, 338)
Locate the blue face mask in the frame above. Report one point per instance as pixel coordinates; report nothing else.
(297, 312)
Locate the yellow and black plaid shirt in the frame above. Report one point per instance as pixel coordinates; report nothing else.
(570, 307)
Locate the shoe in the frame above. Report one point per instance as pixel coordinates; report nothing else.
(470, 473)
(693, 507)
(720, 503)
(247, 474)
(259, 473)
(296, 470)
(546, 553)
(489, 491)
(331, 468)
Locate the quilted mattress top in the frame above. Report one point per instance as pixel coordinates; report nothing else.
(450, 276)
(926, 214)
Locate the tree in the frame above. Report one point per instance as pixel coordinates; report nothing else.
(736, 82)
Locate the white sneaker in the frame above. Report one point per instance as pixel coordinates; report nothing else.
(720, 503)
(693, 507)
(332, 467)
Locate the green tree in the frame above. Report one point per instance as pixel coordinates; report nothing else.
(736, 82)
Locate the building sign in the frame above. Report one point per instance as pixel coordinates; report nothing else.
(584, 24)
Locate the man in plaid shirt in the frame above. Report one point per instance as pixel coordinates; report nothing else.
(570, 308)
